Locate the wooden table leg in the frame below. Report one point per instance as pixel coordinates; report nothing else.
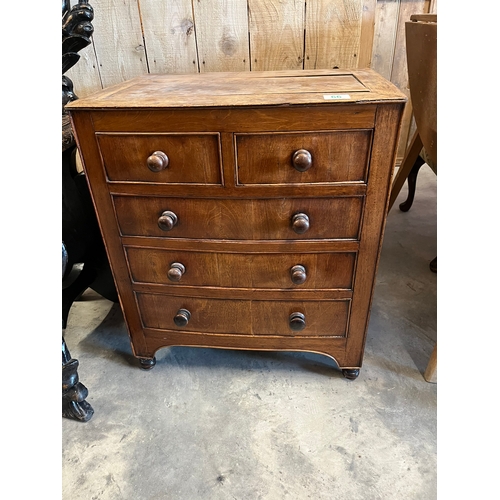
(411, 155)
(431, 371)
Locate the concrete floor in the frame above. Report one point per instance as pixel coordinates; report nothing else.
(219, 424)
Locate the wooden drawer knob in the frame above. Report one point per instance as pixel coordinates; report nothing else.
(298, 274)
(176, 271)
(182, 317)
(167, 220)
(158, 161)
(300, 223)
(297, 321)
(302, 160)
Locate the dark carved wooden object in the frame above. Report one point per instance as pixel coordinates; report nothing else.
(74, 392)
(85, 263)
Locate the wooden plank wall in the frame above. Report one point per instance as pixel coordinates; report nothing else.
(132, 37)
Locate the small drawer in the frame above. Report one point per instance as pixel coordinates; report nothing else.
(247, 317)
(162, 158)
(305, 271)
(240, 219)
(319, 157)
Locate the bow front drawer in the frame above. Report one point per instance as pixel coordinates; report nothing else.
(247, 317)
(306, 271)
(240, 219)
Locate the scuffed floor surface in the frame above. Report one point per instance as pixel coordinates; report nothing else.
(219, 424)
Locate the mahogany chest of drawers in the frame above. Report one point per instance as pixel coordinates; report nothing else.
(243, 210)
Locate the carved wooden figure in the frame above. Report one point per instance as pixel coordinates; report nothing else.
(84, 258)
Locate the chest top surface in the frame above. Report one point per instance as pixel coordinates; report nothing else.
(243, 89)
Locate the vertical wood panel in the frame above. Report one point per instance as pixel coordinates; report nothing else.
(384, 43)
(367, 34)
(169, 35)
(118, 40)
(399, 74)
(333, 33)
(85, 74)
(222, 34)
(276, 34)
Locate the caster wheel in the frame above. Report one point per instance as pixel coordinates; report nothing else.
(147, 363)
(433, 266)
(351, 374)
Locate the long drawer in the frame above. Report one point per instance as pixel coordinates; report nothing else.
(244, 317)
(240, 219)
(306, 271)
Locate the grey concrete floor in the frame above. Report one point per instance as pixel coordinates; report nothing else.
(221, 424)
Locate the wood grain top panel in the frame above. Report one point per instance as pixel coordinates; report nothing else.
(249, 88)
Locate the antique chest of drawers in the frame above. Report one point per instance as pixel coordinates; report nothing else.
(243, 210)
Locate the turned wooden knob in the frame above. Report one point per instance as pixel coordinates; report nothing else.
(298, 274)
(182, 317)
(176, 271)
(300, 223)
(167, 220)
(297, 321)
(157, 162)
(302, 160)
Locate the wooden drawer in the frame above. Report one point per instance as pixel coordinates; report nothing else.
(245, 317)
(242, 270)
(191, 158)
(319, 157)
(240, 219)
